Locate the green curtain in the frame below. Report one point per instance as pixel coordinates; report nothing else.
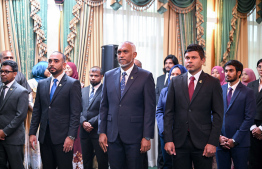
(188, 32)
(245, 6)
(259, 13)
(23, 24)
(43, 15)
(204, 13)
(68, 16)
(182, 3)
(141, 2)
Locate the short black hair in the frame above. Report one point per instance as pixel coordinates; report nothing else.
(12, 64)
(238, 65)
(96, 68)
(64, 57)
(259, 61)
(173, 58)
(197, 48)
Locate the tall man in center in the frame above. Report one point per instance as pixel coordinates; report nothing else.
(190, 135)
(127, 111)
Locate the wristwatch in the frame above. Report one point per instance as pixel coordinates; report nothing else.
(71, 137)
(235, 143)
(147, 138)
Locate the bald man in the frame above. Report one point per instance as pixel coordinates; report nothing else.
(127, 111)
(20, 78)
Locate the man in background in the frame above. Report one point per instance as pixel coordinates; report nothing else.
(13, 111)
(91, 97)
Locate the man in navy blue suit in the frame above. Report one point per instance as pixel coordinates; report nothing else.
(239, 113)
(127, 111)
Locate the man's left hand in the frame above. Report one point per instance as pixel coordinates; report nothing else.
(256, 132)
(68, 145)
(2, 135)
(230, 143)
(209, 150)
(145, 145)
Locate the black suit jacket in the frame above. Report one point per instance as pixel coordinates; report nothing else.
(159, 86)
(63, 111)
(182, 115)
(254, 86)
(13, 112)
(90, 111)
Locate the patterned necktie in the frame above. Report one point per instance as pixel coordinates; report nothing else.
(229, 95)
(2, 94)
(91, 95)
(53, 89)
(191, 87)
(123, 83)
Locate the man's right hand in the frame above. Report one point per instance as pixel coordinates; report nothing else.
(223, 140)
(87, 126)
(103, 141)
(170, 148)
(33, 141)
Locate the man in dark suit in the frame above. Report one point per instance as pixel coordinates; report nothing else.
(57, 109)
(190, 135)
(239, 112)
(169, 62)
(255, 152)
(19, 78)
(127, 111)
(13, 111)
(91, 97)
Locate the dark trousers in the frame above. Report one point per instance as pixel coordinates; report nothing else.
(144, 160)
(160, 159)
(187, 154)
(53, 155)
(13, 154)
(121, 155)
(90, 147)
(166, 157)
(239, 155)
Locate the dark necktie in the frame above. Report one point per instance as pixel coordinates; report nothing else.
(91, 95)
(53, 89)
(191, 87)
(123, 83)
(2, 94)
(229, 95)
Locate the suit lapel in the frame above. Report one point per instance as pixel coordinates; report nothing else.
(185, 86)
(199, 84)
(8, 94)
(225, 97)
(131, 79)
(235, 94)
(116, 78)
(47, 89)
(96, 94)
(59, 87)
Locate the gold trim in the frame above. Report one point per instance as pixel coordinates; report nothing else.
(182, 10)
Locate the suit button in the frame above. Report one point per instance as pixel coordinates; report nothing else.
(49, 107)
(189, 110)
(120, 105)
(186, 122)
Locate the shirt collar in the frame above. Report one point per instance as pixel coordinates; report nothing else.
(95, 87)
(234, 86)
(10, 84)
(128, 70)
(58, 77)
(196, 76)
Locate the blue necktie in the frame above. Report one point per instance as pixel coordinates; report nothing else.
(229, 95)
(123, 83)
(91, 95)
(53, 89)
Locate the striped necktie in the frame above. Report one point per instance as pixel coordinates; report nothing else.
(91, 95)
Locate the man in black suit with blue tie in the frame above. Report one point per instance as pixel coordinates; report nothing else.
(127, 111)
(57, 109)
(91, 97)
(13, 111)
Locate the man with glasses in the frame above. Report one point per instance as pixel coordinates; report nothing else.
(255, 153)
(13, 111)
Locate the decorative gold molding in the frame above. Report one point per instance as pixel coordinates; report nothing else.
(200, 20)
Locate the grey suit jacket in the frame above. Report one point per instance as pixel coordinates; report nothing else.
(90, 111)
(63, 111)
(13, 112)
(182, 114)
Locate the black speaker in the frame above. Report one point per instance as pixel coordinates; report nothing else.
(109, 57)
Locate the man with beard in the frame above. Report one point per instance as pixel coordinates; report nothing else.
(57, 109)
(91, 97)
(127, 111)
(239, 113)
(255, 153)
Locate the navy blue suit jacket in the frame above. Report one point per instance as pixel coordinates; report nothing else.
(133, 115)
(239, 115)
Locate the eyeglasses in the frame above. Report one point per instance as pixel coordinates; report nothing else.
(5, 72)
(259, 67)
